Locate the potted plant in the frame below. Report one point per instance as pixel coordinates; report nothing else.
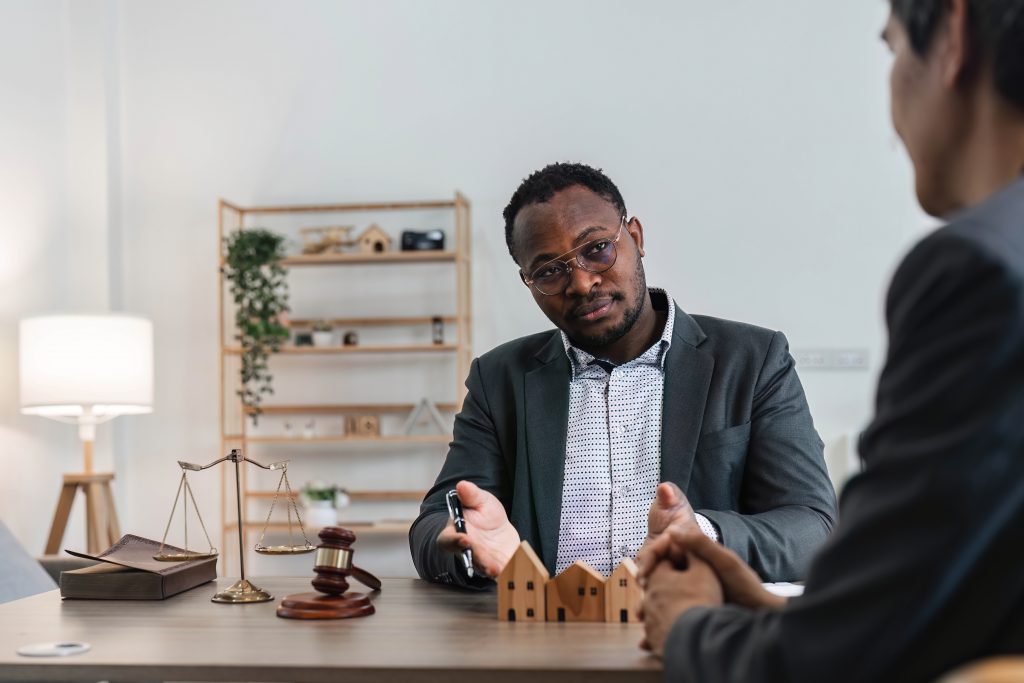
(318, 501)
(323, 333)
(260, 291)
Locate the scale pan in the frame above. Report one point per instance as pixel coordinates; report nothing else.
(182, 557)
(284, 549)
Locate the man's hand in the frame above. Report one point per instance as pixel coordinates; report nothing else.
(669, 508)
(740, 584)
(670, 592)
(489, 534)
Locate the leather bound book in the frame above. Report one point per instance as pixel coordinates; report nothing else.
(127, 571)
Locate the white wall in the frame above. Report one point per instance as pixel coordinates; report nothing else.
(752, 139)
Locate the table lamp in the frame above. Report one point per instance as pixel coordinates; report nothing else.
(85, 370)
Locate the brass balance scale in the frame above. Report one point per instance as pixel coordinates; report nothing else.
(241, 591)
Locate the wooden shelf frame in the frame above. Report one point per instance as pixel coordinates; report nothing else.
(359, 496)
(405, 257)
(388, 528)
(343, 438)
(303, 324)
(357, 348)
(344, 408)
(232, 216)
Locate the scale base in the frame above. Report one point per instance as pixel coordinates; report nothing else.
(241, 592)
(320, 606)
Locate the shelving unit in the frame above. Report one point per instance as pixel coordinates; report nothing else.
(236, 426)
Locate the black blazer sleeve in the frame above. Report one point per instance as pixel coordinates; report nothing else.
(787, 503)
(922, 573)
(473, 455)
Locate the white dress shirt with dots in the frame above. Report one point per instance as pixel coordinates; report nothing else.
(613, 452)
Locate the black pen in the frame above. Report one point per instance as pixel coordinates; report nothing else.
(455, 512)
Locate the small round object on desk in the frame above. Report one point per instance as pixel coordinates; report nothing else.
(61, 649)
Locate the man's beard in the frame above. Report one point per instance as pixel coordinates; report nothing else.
(610, 336)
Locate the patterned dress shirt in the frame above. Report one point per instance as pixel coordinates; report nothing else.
(613, 452)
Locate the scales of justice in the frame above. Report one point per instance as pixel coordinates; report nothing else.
(242, 591)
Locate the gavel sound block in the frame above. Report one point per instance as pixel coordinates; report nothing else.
(333, 564)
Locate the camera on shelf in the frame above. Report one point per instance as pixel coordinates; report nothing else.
(430, 240)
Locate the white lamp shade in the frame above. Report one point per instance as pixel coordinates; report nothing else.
(74, 364)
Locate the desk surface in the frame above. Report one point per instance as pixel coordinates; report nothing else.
(420, 632)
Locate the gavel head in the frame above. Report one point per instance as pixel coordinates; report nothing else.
(333, 563)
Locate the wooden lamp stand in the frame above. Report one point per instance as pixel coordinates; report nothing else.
(332, 565)
(101, 528)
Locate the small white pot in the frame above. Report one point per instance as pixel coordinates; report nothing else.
(320, 513)
(323, 338)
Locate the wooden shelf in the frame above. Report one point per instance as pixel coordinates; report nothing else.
(358, 496)
(402, 438)
(344, 408)
(385, 257)
(361, 348)
(338, 208)
(303, 324)
(392, 528)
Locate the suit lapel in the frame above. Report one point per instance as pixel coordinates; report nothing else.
(547, 416)
(688, 372)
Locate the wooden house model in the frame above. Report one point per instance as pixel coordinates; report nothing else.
(577, 594)
(622, 594)
(374, 240)
(521, 587)
(526, 593)
(362, 425)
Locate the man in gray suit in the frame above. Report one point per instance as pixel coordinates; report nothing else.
(924, 571)
(565, 435)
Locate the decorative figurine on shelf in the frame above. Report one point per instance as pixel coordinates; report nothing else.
(374, 240)
(437, 329)
(309, 430)
(431, 240)
(333, 565)
(362, 425)
(417, 412)
(323, 333)
(351, 338)
(332, 238)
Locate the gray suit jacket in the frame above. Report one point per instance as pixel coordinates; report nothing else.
(924, 570)
(737, 437)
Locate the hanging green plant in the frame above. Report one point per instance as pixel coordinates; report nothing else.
(260, 291)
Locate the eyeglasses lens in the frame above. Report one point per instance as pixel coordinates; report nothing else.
(596, 257)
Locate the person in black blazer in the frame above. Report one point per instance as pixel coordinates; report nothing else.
(736, 445)
(924, 571)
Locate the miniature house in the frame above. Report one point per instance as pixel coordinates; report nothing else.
(374, 240)
(362, 425)
(521, 587)
(622, 594)
(577, 594)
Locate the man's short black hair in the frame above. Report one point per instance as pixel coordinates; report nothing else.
(997, 35)
(543, 184)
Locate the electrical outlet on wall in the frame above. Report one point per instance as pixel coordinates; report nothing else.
(831, 359)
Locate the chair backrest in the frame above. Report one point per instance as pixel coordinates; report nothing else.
(20, 574)
(992, 670)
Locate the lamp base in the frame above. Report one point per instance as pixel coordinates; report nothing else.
(101, 528)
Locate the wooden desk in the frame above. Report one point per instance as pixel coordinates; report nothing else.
(421, 632)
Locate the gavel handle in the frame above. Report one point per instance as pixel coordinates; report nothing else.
(365, 577)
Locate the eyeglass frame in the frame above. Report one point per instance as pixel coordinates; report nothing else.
(529, 282)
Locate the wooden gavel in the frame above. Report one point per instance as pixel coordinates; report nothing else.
(333, 565)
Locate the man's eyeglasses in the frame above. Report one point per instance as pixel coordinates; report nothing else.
(595, 256)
